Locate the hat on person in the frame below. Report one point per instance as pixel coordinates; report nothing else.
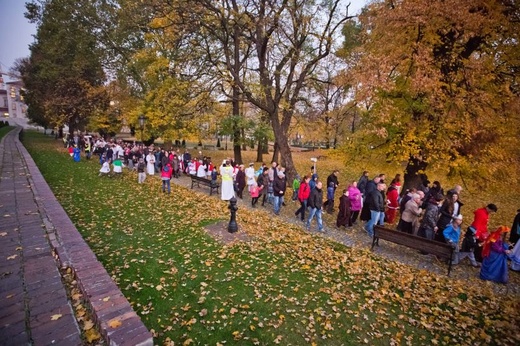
(224, 161)
(251, 164)
(492, 207)
(458, 217)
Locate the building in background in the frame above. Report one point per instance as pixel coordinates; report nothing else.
(12, 106)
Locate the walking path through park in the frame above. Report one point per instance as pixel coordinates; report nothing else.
(37, 239)
(357, 237)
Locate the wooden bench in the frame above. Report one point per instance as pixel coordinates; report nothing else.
(206, 182)
(415, 242)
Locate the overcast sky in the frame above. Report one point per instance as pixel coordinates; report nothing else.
(16, 33)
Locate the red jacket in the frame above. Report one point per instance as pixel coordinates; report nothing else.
(304, 192)
(167, 174)
(480, 223)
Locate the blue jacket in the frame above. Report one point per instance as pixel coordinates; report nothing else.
(451, 234)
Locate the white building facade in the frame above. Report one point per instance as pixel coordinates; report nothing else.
(12, 106)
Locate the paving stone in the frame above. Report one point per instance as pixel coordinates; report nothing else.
(36, 224)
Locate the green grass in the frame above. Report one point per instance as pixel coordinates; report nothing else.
(284, 286)
(4, 130)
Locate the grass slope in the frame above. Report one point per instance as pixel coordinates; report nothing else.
(283, 287)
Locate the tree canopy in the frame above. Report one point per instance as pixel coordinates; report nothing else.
(63, 76)
(439, 80)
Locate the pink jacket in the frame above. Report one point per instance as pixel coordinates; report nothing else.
(255, 191)
(354, 195)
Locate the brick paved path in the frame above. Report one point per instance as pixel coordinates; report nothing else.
(34, 229)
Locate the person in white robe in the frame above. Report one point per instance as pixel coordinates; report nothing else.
(250, 176)
(201, 171)
(226, 188)
(515, 257)
(150, 161)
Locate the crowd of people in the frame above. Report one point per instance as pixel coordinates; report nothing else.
(425, 211)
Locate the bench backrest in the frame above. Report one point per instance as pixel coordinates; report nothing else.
(419, 243)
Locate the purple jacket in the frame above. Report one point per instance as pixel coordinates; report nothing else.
(354, 195)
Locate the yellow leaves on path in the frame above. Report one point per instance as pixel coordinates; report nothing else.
(92, 335)
(114, 323)
(87, 325)
(56, 317)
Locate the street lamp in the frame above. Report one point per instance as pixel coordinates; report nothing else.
(142, 120)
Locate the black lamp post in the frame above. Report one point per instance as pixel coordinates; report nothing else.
(233, 227)
(142, 120)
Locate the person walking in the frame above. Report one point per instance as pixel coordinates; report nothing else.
(480, 223)
(315, 203)
(376, 206)
(279, 187)
(150, 163)
(141, 174)
(343, 218)
(303, 195)
(226, 172)
(354, 195)
(166, 176)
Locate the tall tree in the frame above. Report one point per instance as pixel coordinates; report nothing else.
(63, 76)
(260, 51)
(439, 80)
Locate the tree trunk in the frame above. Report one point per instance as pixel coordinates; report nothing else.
(414, 173)
(287, 161)
(244, 144)
(237, 153)
(259, 151)
(276, 152)
(265, 146)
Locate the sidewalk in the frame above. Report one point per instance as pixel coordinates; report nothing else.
(34, 228)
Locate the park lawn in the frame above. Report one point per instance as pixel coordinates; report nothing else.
(283, 286)
(4, 130)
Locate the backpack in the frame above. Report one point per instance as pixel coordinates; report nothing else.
(166, 169)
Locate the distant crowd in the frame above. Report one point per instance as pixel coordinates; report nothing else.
(425, 211)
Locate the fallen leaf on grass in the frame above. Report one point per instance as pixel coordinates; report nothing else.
(56, 317)
(159, 287)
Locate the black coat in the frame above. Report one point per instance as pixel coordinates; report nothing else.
(469, 243)
(315, 199)
(332, 179)
(343, 218)
(375, 201)
(279, 186)
(515, 229)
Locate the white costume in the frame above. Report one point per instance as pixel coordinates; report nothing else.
(250, 176)
(150, 160)
(227, 191)
(201, 171)
(105, 168)
(191, 168)
(515, 257)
